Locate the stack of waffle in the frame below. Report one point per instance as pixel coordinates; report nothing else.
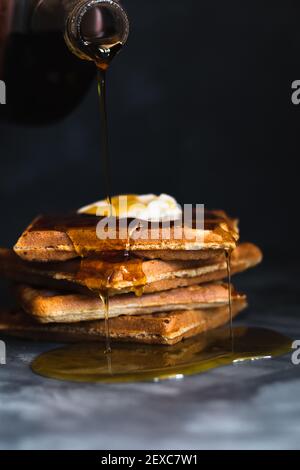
(61, 269)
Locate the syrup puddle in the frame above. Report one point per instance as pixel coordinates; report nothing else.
(134, 362)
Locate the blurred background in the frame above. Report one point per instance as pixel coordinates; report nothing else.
(199, 107)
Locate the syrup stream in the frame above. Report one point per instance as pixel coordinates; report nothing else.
(104, 296)
(228, 260)
(101, 85)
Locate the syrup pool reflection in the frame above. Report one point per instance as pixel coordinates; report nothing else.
(132, 362)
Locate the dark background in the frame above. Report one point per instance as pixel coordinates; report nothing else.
(199, 107)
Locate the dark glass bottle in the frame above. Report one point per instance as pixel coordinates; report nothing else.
(40, 42)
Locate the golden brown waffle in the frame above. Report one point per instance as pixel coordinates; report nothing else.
(65, 237)
(160, 328)
(50, 306)
(159, 275)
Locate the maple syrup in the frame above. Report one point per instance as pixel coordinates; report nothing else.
(104, 297)
(107, 271)
(134, 362)
(97, 31)
(101, 273)
(101, 80)
(107, 265)
(228, 268)
(103, 51)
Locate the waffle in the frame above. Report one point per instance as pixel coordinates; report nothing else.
(158, 275)
(61, 238)
(161, 328)
(50, 306)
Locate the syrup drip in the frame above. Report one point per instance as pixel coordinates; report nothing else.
(228, 266)
(104, 297)
(107, 270)
(103, 57)
(101, 81)
(110, 272)
(133, 362)
(103, 273)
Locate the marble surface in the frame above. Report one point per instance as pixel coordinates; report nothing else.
(243, 406)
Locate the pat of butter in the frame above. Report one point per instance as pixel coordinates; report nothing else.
(144, 207)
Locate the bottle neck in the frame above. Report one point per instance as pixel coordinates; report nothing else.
(95, 30)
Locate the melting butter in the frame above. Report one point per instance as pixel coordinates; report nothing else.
(144, 207)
